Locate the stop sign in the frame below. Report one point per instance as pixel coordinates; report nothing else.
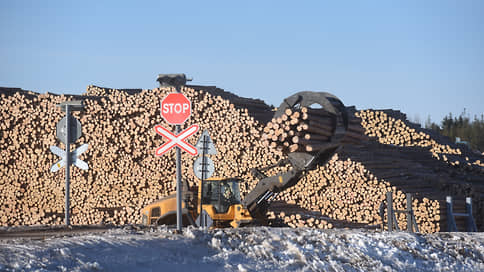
(176, 108)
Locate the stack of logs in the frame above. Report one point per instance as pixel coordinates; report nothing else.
(347, 191)
(388, 130)
(125, 175)
(344, 193)
(308, 130)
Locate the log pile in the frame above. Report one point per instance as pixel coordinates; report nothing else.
(389, 130)
(308, 130)
(346, 193)
(124, 174)
(257, 108)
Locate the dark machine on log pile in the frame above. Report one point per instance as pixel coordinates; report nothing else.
(267, 188)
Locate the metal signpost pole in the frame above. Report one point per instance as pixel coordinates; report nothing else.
(68, 163)
(179, 223)
(68, 130)
(204, 170)
(389, 210)
(409, 212)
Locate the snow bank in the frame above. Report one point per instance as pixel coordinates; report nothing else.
(246, 249)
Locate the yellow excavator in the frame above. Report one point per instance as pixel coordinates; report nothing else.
(220, 197)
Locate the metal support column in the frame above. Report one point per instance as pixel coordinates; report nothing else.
(390, 211)
(391, 214)
(471, 224)
(68, 164)
(451, 226)
(409, 212)
(179, 188)
(411, 222)
(203, 221)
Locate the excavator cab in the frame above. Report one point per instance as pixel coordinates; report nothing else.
(221, 200)
(221, 194)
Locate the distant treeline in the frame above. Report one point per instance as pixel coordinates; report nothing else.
(471, 131)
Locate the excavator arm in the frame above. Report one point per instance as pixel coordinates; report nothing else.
(268, 187)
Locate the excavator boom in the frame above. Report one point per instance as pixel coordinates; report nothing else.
(257, 200)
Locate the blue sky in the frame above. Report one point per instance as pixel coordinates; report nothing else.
(421, 57)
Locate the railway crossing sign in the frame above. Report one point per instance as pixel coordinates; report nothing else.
(74, 132)
(203, 167)
(73, 158)
(205, 144)
(176, 108)
(176, 140)
(68, 131)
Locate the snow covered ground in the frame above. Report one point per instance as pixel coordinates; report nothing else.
(245, 249)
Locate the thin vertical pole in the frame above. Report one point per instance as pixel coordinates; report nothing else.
(469, 214)
(471, 225)
(68, 163)
(203, 222)
(179, 189)
(409, 212)
(450, 214)
(390, 211)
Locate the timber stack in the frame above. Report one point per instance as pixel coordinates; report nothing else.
(308, 130)
(125, 175)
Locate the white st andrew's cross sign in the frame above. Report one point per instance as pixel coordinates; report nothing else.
(74, 158)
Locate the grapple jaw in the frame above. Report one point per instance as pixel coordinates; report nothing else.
(332, 105)
(335, 118)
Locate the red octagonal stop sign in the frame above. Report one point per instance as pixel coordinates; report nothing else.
(176, 108)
